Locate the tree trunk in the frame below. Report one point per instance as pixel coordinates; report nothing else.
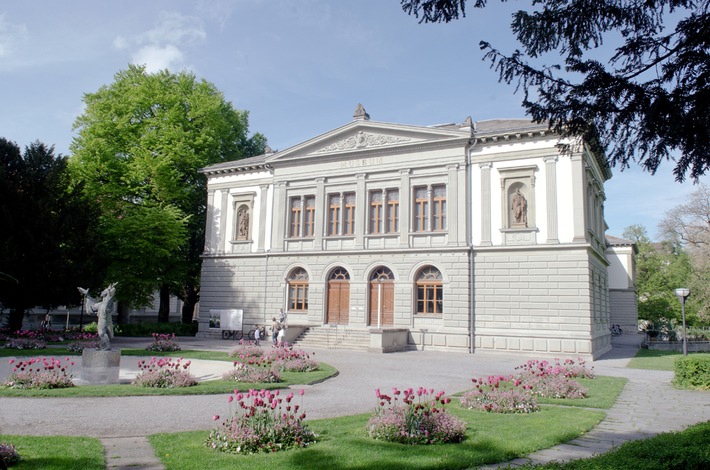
(164, 308)
(14, 322)
(123, 315)
(188, 306)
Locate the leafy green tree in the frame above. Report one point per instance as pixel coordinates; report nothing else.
(47, 247)
(688, 225)
(660, 269)
(140, 145)
(646, 101)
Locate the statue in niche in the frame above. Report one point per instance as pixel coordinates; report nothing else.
(103, 309)
(243, 216)
(520, 209)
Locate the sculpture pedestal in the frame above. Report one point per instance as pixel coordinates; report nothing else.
(100, 367)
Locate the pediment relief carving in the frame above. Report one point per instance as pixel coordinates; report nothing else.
(363, 140)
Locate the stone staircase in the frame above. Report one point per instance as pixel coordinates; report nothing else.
(334, 337)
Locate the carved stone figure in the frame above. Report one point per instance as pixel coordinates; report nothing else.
(520, 209)
(243, 216)
(103, 308)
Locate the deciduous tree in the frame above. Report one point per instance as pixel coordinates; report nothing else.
(140, 145)
(646, 99)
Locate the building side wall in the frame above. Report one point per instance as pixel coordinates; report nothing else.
(539, 301)
(624, 309)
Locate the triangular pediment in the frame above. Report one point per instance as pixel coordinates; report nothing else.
(365, 136)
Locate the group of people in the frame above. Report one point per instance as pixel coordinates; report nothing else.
(278, 330)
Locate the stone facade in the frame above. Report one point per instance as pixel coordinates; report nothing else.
(480, 235)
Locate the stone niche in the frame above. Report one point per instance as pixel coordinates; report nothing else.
(518, 205)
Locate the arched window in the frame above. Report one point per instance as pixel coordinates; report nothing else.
(339, 274)
(430, 293)
(298, 291)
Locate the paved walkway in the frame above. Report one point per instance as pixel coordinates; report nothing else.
(648, 405)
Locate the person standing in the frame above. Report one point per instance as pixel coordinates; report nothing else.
(257, 335)
(274, 330)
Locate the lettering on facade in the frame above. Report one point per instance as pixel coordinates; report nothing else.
(362, 162)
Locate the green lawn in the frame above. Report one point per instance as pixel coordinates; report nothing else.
(651, 359)
(688, 449)
(602, 393)
(57, 452)
(344, 444)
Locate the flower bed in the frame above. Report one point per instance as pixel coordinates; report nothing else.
(164, 373)
(263, 422)
(25, 343)
(79, 346)
(39, 373)
(252, 374)
(163, 342)
(518, 393)
(9, 454)
(420, 418)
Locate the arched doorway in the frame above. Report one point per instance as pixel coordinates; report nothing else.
(338, 312)
(381, 312)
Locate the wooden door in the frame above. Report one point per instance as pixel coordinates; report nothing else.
(338, 302)
(382, 303)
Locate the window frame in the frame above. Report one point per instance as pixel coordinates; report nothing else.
(298, 291)
(429, 297)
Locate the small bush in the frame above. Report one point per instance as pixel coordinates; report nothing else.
(567, 368)
(252, 374)
(164, 373)
(9, 454)
(39, 373)
(555, 386)
(247, 351)
(299, 364)
(498, 394)
(92, 327)
(692, 372)
(79, 346)
(25, 343)
(263, 422)
(418, 420)
(163, 342)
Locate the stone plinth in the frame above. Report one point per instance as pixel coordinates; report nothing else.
(100, 367)
(388, 340)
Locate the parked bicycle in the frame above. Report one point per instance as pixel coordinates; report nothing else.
(616, 329)
(237, 335)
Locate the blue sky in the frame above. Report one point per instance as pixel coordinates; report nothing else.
(299, 68)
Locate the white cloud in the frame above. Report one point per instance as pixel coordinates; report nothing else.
(10, 36)
(157, 58)
(164, 45)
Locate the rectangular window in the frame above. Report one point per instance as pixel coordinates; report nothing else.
(376, 212)
(309, 222)
(421, 210)
(430, 299)
(392, 216)
(334, 214)
(298, 297)
(439, 208)
(295, 215)
(349, 215)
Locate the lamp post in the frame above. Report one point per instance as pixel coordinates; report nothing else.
(683, 294)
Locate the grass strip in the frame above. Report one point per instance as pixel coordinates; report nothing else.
(652, 359)
(343, 443)
(57, 452)
(602, 393)
(208, 387)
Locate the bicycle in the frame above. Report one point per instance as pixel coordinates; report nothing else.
(237, 335)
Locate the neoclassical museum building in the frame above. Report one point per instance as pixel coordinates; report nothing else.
(480, 235)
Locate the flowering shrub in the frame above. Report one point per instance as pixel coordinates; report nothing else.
(163, 342)
(498, 394)
(164, 373)
(39, 373)
(568, 368)
(556, 386)
(247, 351)
(420, 419)
(263, 422)
(9, 454)
(299, 364)
(28, 334)
(252, 374)
(69, 335)
(25, 343)
(79, 346)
